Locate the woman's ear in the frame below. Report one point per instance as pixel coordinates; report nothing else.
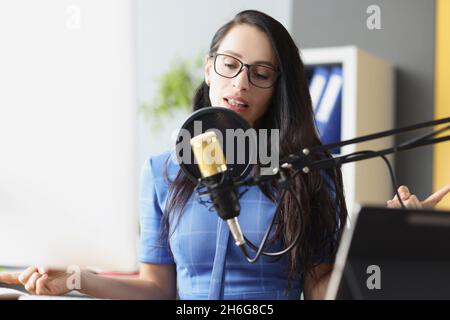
(208, 68)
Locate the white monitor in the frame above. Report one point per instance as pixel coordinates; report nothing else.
(68, 171)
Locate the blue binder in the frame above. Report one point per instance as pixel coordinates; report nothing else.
(328, 113)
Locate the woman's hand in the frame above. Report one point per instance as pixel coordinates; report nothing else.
(412, 202)
(39, 280)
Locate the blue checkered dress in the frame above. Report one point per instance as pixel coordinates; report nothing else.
(208, 263)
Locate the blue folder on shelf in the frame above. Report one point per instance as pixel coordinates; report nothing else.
(328, 112)
(317, 84)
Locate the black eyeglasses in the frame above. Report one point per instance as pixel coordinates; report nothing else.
(259, 75)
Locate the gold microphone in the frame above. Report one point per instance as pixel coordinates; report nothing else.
(213, 168)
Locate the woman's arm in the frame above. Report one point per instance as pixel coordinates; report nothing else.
(156, 281)
(316, 282)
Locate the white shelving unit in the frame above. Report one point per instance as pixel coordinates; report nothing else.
(367, 107)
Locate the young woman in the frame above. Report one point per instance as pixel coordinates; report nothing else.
(254, 68)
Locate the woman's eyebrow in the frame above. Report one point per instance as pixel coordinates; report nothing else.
(256, 62)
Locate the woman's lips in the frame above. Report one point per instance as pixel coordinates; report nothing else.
(235, 107)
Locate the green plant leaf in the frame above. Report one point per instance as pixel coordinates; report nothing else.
(175, 89)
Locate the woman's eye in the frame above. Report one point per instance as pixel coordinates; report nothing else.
(230, 66)
(261, 76)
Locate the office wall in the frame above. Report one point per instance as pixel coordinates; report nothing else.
(406, 40)
(167, 29)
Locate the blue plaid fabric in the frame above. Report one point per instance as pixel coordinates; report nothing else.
(208, 263)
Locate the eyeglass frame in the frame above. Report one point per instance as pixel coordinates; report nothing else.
(277, 73)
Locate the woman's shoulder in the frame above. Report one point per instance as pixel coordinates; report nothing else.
(156, 163)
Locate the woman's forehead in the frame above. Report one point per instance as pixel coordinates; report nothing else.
(247, 43)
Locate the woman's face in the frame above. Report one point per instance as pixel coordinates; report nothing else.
(251, 46)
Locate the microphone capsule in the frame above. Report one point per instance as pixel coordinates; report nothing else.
(209, 154)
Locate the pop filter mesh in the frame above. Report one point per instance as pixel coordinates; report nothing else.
(235, 136)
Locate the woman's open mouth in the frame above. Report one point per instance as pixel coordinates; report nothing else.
(235, 104)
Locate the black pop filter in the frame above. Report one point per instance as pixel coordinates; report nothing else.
(230, 128)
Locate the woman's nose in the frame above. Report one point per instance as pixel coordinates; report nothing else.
(241, 81)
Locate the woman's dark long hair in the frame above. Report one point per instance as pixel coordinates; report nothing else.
(323, 212)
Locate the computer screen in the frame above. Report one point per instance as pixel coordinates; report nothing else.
(68, 171)
(394, 254)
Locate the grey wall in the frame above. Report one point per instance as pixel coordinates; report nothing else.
(406, 40)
